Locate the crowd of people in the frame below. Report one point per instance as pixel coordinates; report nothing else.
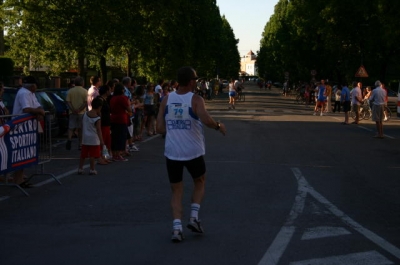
(352, 100)
(115, 114)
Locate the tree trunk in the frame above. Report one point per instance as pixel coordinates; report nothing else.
(1, 35)
(81, 65)
(103, 69)
(128, 67)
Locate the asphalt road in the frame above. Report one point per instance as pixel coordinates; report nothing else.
(283, 187)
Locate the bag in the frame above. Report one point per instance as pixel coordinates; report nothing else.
(105, 154)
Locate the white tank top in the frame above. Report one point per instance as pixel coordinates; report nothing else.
(184, 139)
(89, 132)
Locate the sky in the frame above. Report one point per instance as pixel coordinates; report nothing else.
(247, 19)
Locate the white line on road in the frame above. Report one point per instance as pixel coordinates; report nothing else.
(281, 241)
(362, 258)
(324, 231)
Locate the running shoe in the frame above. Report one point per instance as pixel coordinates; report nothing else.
(195, 226)
(177, 236)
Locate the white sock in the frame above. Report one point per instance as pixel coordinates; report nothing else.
(177, 224)
(195, 208)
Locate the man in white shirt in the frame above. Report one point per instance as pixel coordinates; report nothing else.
(158, 88)
(26, 102)
(356, 100)
(377, 99)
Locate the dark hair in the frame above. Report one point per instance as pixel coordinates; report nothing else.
(185, 74)
(139, 90)
(126, 80)
(94, 79)
(78, 81)
(150, 85)
(111, 83)
(119, 89)
(103, 89)
(97, 103)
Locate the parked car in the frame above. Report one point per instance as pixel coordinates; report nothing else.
(225, 83)
(44, 100)
(61, 92)
(61, 108)
(277, 84)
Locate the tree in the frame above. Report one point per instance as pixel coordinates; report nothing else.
(148, 38)
(332, 37)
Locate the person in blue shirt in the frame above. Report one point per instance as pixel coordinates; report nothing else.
(345, 99)
(321, 98)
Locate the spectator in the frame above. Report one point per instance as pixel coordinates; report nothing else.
(3, 108)
(120, 110)
(93, 91)
(138, 121)
(173, 85)
(26, 102)
(378, 107)
(92, 140)
(77, 103)
(127, 82)
(338, 93)
(345, 99)
(356, 100)
(386, 101)
(158, 88)
(150, 98)
(105, 92)
(165, 92)
(328, 97)
(111, 85)
(367, 93)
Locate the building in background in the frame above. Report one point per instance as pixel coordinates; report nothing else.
(248, 64)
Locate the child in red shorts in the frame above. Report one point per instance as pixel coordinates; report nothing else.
(92, 139)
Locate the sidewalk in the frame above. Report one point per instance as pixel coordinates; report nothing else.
(63, 163)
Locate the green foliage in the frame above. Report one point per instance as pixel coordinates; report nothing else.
(146, 38)
(333, 37)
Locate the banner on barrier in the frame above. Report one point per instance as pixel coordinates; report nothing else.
(19, 143)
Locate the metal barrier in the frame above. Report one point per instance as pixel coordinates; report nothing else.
(44, 153)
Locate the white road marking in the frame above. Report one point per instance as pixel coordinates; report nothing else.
(324, 231)
(281, 241)
(362, 258)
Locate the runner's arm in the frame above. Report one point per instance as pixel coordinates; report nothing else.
(201, 112)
